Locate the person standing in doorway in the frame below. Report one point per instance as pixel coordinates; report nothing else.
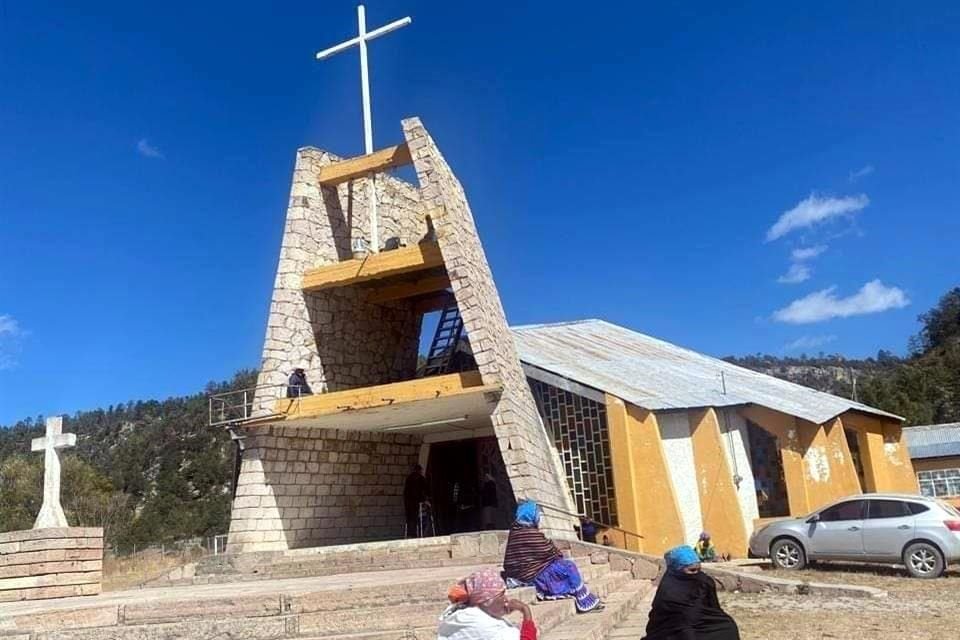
(489, 502)
(415, 494)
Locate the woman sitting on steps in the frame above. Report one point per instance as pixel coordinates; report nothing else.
(477, 608)
(532, 559)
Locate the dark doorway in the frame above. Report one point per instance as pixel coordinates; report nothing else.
(853, 443)
(768, 477)
(454, 477)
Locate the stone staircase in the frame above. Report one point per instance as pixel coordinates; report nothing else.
(238, 599)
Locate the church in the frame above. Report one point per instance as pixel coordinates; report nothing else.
(653, 442)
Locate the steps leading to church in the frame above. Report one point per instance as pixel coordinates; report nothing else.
(387, 604)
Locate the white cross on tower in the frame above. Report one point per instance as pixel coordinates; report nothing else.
(51, 512)
(361, 41)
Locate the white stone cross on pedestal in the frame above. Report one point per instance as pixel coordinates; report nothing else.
(51, 512)
(361, 41)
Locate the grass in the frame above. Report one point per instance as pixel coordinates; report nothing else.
(133, 571)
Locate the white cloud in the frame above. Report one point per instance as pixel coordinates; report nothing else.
(10, 333)
(148, 150)
(797, 273)
(8, 325)
(862, 172)
(873, 297)
(813, 210)
(809, 342)
(807, 253)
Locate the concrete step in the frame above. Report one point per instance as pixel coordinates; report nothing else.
(597, 625)
(634, 624)
(557, 615)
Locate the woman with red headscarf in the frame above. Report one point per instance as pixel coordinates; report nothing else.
(478, 605)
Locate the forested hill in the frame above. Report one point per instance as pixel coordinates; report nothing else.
(831, 373)
(148, 471)
(923, 387)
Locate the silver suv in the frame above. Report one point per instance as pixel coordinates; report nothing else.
(921, 533)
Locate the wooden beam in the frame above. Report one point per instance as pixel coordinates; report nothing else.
(425, 255)
(436, 302)
(381, 395)
(410, 289)
(334, 174)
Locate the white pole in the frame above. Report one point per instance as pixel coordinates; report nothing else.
(368, 126)
(365, 80)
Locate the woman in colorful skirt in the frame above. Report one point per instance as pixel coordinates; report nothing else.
(532, 559)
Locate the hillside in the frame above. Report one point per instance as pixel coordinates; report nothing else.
(147, 471)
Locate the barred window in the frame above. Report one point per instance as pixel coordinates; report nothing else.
(944, 483)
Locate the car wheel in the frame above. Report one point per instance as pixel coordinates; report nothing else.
(788, 554)
(923, 560)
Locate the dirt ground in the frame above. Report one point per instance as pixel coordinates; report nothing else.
(913, 610)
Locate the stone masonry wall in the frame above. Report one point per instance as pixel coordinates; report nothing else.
(50, 563)
(532, 461)
(337, 337)
(287, 496)
(305, 488)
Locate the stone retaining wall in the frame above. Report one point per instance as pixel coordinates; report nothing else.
(50, 563)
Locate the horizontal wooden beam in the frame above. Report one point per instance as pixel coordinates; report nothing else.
(334, 174)
(405, 290)
(436, 302)
(425, 255)
(381, 395)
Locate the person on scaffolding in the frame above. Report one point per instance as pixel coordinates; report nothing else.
(297, 384)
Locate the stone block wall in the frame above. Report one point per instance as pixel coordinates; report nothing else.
(305, 488)
(532, 461)
(50, 563)
(336, 336)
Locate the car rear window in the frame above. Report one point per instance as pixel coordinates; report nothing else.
(878, 509)
(917, 508)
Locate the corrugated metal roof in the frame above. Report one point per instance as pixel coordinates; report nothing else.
(933, 440)
(657, 375)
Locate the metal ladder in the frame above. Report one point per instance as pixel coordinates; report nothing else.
(445, 341)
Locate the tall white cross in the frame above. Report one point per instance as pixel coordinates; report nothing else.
(51, 512)
(361, 40)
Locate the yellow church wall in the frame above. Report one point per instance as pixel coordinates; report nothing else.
(841, 458)
(787, 432)
(886, 459)
(719, 503)
(828, 466)
(646, 499)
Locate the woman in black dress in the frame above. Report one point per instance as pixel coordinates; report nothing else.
(686, 605)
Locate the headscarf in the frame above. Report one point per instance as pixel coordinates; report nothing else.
(528, 514)
(477, 588)
(680, 557)
(704, 536)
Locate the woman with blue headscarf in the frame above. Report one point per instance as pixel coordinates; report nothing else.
(686, 606)
(532, 559)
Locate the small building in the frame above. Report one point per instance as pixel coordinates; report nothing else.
(935, 452)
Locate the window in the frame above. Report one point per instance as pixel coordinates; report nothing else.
(852, 510)
(887, 509)
(917, 508)
(943, 483)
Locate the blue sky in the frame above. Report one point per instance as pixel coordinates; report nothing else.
(736, 179)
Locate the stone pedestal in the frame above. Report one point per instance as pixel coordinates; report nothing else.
(50, 563)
